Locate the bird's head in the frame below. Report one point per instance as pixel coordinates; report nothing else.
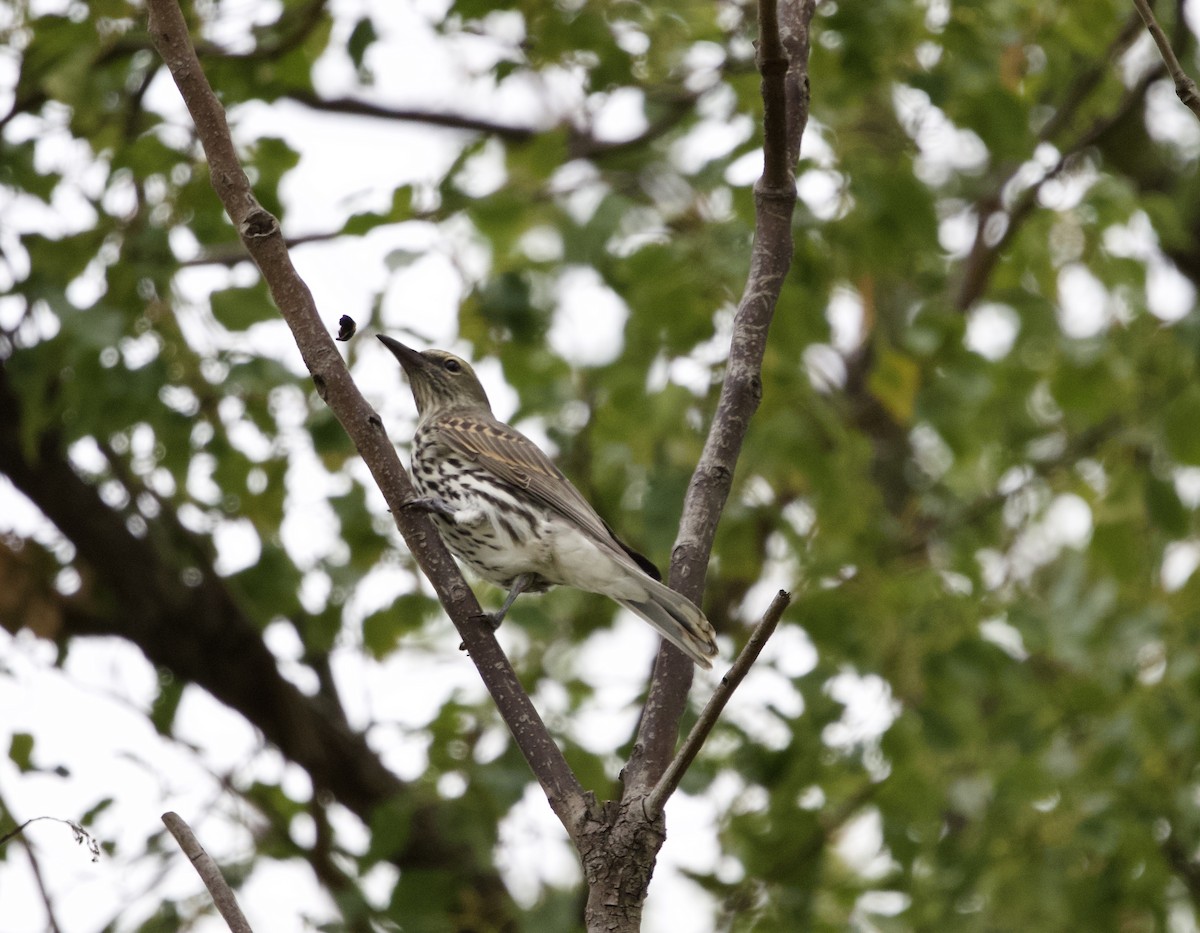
(440, 381)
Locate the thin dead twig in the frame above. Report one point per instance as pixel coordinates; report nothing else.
(209, 872)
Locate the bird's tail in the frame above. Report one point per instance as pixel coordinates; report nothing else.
(677, 619)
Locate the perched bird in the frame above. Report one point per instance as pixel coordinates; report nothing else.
(507, 512)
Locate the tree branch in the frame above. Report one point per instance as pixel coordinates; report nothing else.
(1185, 87)
(985, 251)
(186, 629)
(363, 108)
(34, 866)
(783, 62)
(82, 837)
(667, 784)
(209, 872)
(1087, 80)
(581, 144)
(260, 234)
(1182, 864)
(193, 630)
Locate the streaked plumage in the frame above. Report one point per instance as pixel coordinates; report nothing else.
(507, 512)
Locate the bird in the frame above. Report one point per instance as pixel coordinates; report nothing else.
(510, 515)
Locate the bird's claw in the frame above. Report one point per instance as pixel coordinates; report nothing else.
(487, 618)
(429, 505)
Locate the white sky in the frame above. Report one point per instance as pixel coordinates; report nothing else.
(89, 716)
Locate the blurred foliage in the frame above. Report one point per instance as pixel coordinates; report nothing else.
(983, 499)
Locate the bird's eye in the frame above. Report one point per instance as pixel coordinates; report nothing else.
(453, 366)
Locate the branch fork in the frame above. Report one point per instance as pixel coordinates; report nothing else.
(607, 836)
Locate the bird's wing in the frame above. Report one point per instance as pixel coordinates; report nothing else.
(516, 460)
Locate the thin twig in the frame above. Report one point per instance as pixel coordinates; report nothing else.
(209, 872)
(234, 254)
(581, 144)
(36, 868)
(82, 837)
(1185, 87)
(687, 753)
(261, 236)
(19, 834)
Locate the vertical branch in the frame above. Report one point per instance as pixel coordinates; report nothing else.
(783, 45)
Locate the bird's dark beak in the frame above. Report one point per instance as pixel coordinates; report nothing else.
(410, 359)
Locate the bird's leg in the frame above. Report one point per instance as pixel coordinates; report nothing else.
(520, 585)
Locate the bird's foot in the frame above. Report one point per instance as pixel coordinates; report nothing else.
(491, 619)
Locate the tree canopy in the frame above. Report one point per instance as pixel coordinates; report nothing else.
(975, 463)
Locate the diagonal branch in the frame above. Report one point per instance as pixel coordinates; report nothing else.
(261, 235)
(192, 629)
(209, 872)
(986, 249)
(668, 783)
(783, 61)
(1185, 87)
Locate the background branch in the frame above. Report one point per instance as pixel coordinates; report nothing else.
(82, 837)
(192, 631)
(581, 144)
(986, 249)
(351, 106)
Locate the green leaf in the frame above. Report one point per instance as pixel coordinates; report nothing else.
(894, 381)
(1181, 424)
(391, 827)
(166, 704)
(240, 308)
(100, 807)
(1164, 508)
(400, 210)
(361, 38)
(20, 751)
(383, 630)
